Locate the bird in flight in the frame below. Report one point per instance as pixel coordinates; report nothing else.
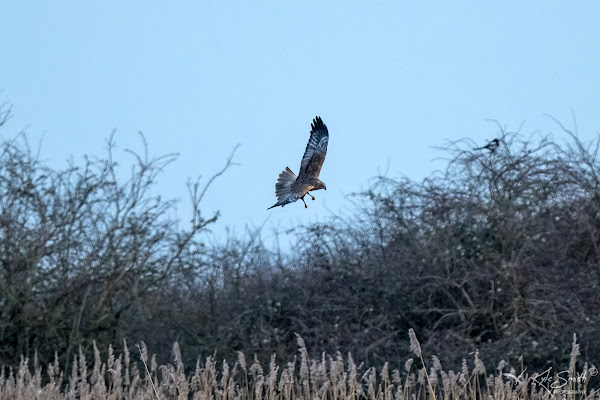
(289, 187)
(491, 146)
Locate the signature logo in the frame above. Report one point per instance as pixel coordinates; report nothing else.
(557, 383)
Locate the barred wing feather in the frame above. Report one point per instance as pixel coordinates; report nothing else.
(316, 149)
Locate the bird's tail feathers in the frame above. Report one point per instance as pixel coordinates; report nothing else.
(284, 183)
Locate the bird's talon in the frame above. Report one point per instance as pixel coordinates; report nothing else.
(305, 206)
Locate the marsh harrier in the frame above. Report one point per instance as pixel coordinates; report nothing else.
(289, 187)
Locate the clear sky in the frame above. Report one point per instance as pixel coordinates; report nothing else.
(389, 78)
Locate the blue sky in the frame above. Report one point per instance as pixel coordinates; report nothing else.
(390, 80)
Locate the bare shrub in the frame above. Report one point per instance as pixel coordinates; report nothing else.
(86, 255)
(493, 253)
(490, 254)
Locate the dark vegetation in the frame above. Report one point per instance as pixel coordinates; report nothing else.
(498, 252)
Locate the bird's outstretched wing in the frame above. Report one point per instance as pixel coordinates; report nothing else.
(316, 149)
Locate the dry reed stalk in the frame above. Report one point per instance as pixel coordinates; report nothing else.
(114, 378)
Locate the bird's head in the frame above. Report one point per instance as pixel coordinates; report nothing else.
(319, 185)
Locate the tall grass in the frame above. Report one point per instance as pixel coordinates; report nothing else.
(328, 377)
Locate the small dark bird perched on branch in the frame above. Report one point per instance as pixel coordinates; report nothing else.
(290, 188)
(491, 146)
